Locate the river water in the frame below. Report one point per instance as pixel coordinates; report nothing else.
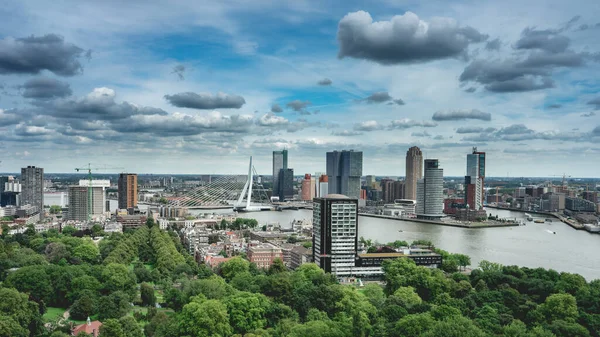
(533, 245)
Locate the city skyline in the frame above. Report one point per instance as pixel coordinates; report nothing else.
(226, 82)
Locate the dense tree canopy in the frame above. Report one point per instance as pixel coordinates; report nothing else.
(121, 279)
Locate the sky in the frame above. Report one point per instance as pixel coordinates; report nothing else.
(197, 87)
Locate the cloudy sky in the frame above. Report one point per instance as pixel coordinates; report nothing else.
(199, 86)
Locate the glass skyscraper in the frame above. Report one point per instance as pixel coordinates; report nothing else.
(344, 170)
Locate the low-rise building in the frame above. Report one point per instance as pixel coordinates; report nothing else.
(132, 221)
(466, 214)
(299, 256)
(579, 205)
(194, 238)
(264, 254)
(113, 227)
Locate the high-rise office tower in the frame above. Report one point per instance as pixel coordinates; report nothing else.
(79, 202)
(414, 172)
(430, 191)
(280, 162)
(3, 182)
(286, 184)
(32, 187)
(473, 183)
(128, 190)
(481, 173)
(344, 170)
(335, 233)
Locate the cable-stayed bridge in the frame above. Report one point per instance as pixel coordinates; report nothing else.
(240, 192)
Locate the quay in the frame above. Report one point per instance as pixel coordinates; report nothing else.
(572, 223)
(442, 223)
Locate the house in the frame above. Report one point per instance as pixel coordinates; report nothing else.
(90, 328)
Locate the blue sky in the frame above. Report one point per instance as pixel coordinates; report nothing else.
(516, 79)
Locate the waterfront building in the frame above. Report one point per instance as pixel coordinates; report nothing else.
(400, 207)
(474, 182)
(587, 195)
(344, 171)
(414, 171)
(286, 184)
(280, 162)
(579, 205)
(128, 190)
(430, 191)
(481, 170)
(32, 189)
(313, 187)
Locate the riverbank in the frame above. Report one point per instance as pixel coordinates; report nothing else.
(572, 223)
(443, 223)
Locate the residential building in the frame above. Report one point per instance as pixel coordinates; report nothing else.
(414, 172)
(451, 205)
(78, 203)
(335, 233)
(473, 183)
(280, 162)
(306, 188)
(132, 221)
(313, 187)
(32, 181)
(430, 191)
(299, 256)
(89, 329)
(98, 194)
(481, 173)
(344, 170)
(323, 186)
(113, 227)
(587, 195)
(128, 190)
(579, 205)
(264, 254)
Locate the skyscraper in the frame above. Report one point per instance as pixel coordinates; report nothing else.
(344, 170)
(128, 190)
(32, 182)
(79, 203)
(306, 188)
(430, 191)
(280, 161)
(323, 186)
(473, 183)
(481, 166)
(335, 234)
(414, 172)
(286, 184)
(3, 181)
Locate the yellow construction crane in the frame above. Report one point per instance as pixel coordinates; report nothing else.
(89, 170)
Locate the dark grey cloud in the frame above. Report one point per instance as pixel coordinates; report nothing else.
(571, 22)
(474, 129)
(471, 90)
(205, 101)
(438, 137)
(595, 102)
(520, 132)
(45, 88)
(554, 106)
(9, 117)
(346, 133)
(97, 105)
(457, 115)
(325, 81)
(31, 55)
(596, 131)
(276, 108)
(298, 105)
(399, 101)
(547, 40)
(367, 126)
(589, 114)
(494, 44)
(521, 84)
(407, 123)
(378, 97)
(179, 70)
(403, 39)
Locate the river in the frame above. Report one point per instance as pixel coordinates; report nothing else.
(533, 245)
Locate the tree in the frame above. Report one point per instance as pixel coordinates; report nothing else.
(234, 266)
(87, 252)
(316, 329)
(374, 294)
(277, 267)
(117, 277)
(84, 306)
(515, 329)
(247, 311)
(407, 297)
(147, 295)
(307, 244)
(10, 328)
(488, 266)
(68, 230)
(97, 230)
(414, 325)
(16, 307)
(130, 327)
(456, 327)
(115, 305)
(559, 307)
(55, 209)
(205, 318)
(463, 260)
(111, 328)
(562, 328)
(56, 251)
(32, 280)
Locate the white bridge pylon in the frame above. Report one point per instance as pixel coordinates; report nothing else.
(247, 193)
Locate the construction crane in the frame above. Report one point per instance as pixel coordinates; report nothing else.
(564, 176)
(89, 170)
(497, 188)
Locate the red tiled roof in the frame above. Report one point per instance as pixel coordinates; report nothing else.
(92, 329)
